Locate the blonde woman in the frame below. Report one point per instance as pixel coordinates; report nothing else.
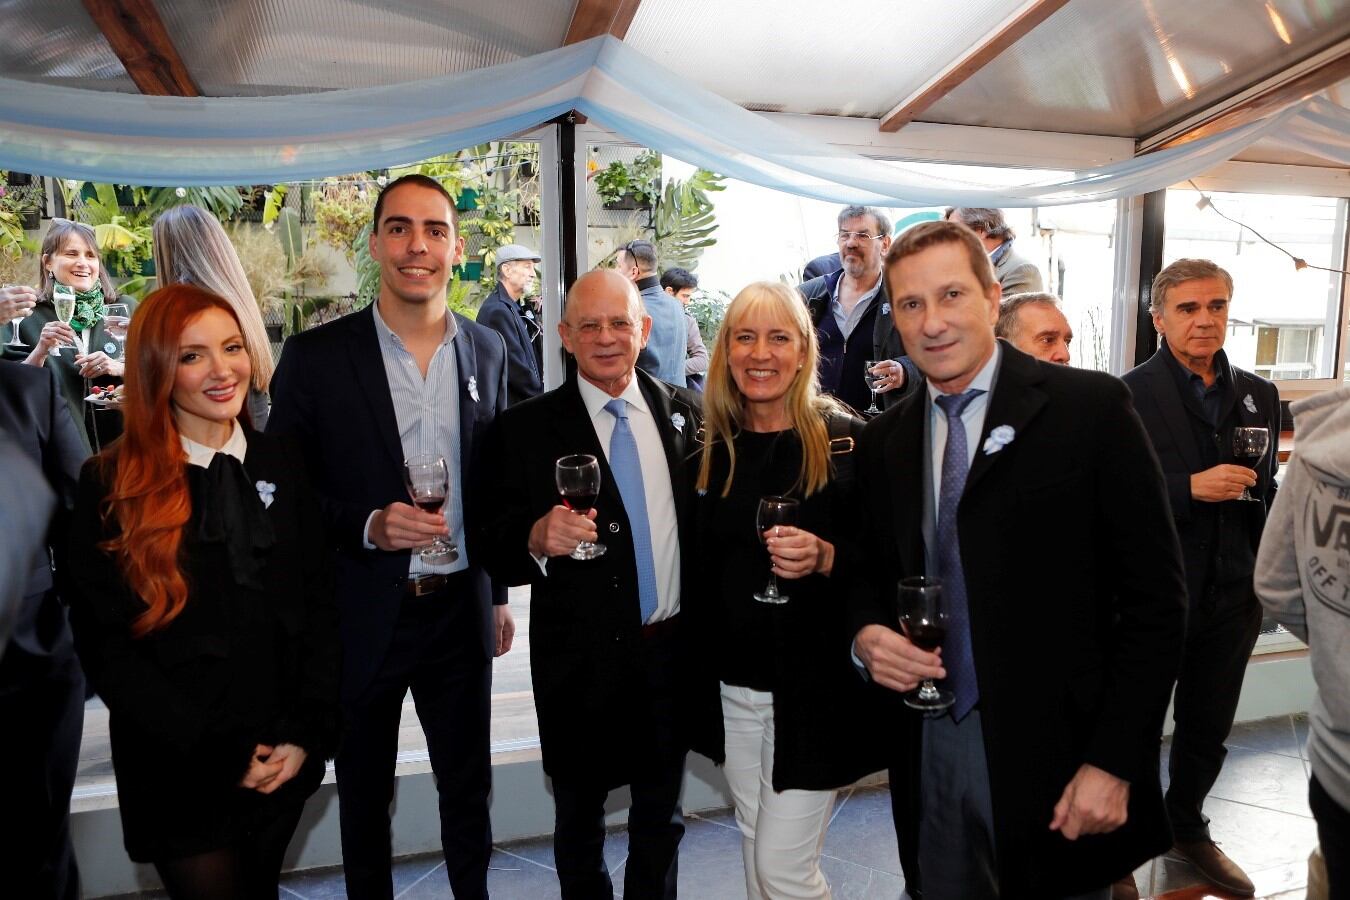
(192, 248)
(792, 723)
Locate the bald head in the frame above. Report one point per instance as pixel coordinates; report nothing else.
(605, 326)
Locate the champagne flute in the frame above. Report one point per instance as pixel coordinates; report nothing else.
(578, 480)
(63, 298)
(924, 621)
(116, 320)
(427, 479)
(873, 382)
(1250, 443)
(773, 512)
(14, 339)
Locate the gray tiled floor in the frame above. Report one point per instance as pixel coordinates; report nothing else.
(1259, 811)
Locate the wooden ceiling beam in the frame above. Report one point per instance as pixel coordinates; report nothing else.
(977, 58)
(592, 18)
(137, 35)
(1261, 100)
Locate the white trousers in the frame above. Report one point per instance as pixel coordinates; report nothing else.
(782, 833)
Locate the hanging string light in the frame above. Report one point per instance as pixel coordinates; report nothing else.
(1206, 202)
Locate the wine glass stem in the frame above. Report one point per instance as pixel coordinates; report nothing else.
(773, 583)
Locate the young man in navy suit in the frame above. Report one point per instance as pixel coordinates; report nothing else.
(401, 378)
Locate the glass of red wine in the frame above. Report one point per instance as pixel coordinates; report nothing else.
(1250, 443)
(578, 479)
(874, 381)
(773, 511)
(427, 479)
(924, 622)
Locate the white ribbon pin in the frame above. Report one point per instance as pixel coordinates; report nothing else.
(1248, 402)
(265, 491)
(678, 421)
(473, 388)
(999, 438)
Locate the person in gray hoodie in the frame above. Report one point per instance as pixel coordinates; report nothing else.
(1303, 579)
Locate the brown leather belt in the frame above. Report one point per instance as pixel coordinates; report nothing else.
(425, 585)
(662, 628)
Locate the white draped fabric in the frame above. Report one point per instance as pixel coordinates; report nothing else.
(113, 137)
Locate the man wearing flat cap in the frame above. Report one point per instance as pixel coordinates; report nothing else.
(507, 312)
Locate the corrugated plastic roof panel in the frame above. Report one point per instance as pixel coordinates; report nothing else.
(804, 56)
(1130, 69)
(56, 42)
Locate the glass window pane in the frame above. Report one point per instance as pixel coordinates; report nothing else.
(1284, 322)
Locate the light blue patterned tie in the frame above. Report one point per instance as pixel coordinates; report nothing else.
(627, 469)
(958, 657)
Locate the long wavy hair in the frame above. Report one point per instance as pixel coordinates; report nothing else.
(60, 233)
(147, 467)
(191, 247)
(807, 408)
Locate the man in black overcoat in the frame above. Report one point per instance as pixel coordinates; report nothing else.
(41, 685)
(606, 650)
(1041, 509)
(1190, 398)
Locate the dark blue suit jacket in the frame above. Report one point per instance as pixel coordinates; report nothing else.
(330, 390)
(523, 376)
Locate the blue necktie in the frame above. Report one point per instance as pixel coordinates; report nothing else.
(627, 469)
(957, 656)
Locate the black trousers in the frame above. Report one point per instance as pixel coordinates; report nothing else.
(436, 651)
(1333, 833)
(1219, 642)
(42, 708)
(655, 820)
(655, 826)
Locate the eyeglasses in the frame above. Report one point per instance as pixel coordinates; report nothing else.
(843, 236)
(589, 331)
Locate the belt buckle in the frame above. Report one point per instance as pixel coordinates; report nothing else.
(423, 585)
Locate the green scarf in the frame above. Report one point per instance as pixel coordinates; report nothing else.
(88, 308)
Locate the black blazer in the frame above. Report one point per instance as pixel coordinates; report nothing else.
(189, 702)
(523, 376)
(35, 415)
(584, 618)
(330, 391)
(1077, 609)
(1167, 421)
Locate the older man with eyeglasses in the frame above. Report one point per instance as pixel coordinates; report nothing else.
(852, 314)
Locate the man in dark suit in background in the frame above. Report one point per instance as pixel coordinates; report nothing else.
(852, 314)
(605, 644)
(41, 685)
(401, 378)
(507, 312)
(1041, 780)
(1191, 398)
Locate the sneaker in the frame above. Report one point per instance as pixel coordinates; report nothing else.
(1125, 889)
(1215, 865)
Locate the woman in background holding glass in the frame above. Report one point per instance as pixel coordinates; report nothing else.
(78, 345)
(793, 724)
(201, 601)
(191, 247)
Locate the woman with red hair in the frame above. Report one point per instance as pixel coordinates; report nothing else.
(201, 602)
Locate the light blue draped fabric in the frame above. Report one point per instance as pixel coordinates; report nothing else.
(125, 138)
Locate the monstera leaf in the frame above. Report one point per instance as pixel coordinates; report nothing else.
(684, 220)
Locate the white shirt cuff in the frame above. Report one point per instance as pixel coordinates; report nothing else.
(365, 534)
(542, 562)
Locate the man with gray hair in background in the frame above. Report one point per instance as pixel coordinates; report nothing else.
(853, 301)
(1016, 274)
(1034, 323)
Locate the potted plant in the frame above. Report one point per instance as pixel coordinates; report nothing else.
(632, 185)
